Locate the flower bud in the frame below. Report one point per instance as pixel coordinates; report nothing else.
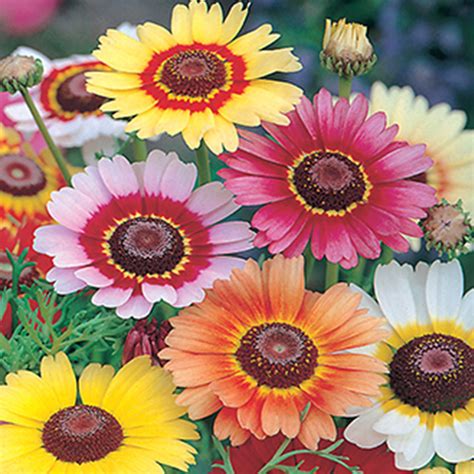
(448, 228)
(19, 71)
(346, 49)
(146, 338)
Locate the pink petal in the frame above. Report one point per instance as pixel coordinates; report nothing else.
(90, 183)
(355, 118)
(318, 237)
(365, 241)
(112, 296)
(254, 190)
(283, 243)
(300, 243)
(339, 245)
(155, 166)
(118, 176)
(333, 139)
(178, 180)
(264, 148)
(93, 277)
(65, 281)
(380, 221)
(396, 242)
(306, 113)
(250, 164)
(261, 240)
(278, 133)
(156, 293)
(324, 112)
(136, 307)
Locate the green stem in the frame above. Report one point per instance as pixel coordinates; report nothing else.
(332, 274)
(357, 273)
(56, 152)
(387, 255)
(309, 261)
(202, 161)
(345, 84)
(274, 460)
(140, 150)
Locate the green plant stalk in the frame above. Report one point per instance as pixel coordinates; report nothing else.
(140, 150)
(332, 274)
(203, 164)
(345, 85)
(275, 459)
(357, 273)
(56, 152)
(308, 264)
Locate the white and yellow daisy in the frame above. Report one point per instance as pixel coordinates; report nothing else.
(427, 404)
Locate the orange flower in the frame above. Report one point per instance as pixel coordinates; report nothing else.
(260, 347)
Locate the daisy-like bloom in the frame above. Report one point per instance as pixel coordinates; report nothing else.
(140, 234)
(461, 468)
(198, 79)
(333, 176)
(260, 348)
(126, 422)
(441, 129)
(427, 403)
(71, 114)
(27, 177)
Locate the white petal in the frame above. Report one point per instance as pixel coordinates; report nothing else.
(466, 312)
(178, 180)
(464, 426)
(111, 297)
(396, 423)
(409, 443)
(361, 432)
(155, 166)
(444, 290)
(155, 293)
(93, 277)
(423, 455)
(136, 307)
(449, 446)
(118, 176)
(65, 281)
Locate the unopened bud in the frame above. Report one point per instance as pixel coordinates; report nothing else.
(19, 71)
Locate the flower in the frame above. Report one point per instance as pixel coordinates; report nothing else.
(255, 454)
(146, 338)
(427, 404)
(197, 80)
(134, 234)
(27, 178)
(332, 176)
(126, 421)
(19, 71)
(71, 114)
(442, 130)
(22, 17)
(346, 49)
(260, 349)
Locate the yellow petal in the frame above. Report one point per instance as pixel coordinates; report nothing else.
(156, 37)
(172, 122)
(223, 135)
(58, 375)
(94, 382)
(29, 463)
(263, 63)
(102, 91)
(253, 41)
(181, 24)
(199, 28)
(145, 123)
(213, 25)
(178, 429)
(130, 460)
(18, 441)
(130, 103)
(233, 23)
(115, 80)
(199, 124)
(236, 110)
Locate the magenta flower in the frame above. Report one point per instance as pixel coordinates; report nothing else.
(140, 234)
(333, 177)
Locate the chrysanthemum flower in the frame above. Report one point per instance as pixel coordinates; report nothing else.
(333, 176)
(427, 404)
(442, 131)
(140, 234)
(27, 177)
(198, 79)
(71, 114)
(260, 348)
(127, 422)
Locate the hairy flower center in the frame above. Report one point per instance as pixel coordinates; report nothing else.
(194, 73)
(81, 434)
(146, 246)
(434, 373)
(20, 176)
(329, 181)
(72, 95)
(277, 355)
(6, 273)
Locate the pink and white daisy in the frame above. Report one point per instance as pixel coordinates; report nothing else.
(333, 177)
(140, 234)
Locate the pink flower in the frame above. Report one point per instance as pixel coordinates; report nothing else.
(21, 17)
(140, 234)
(333, 177)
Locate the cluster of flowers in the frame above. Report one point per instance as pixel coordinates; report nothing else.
(277, 366)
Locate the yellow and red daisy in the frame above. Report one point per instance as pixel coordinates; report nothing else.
(198, 79)
(260, 349)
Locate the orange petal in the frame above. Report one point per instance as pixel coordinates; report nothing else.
(353, 362)
(279, 413)
(315, 426)
(201, 402)
(226, 425)
(234, 391)
(250, 415)
(366, 383)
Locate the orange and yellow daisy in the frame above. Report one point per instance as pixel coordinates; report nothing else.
(260, 349)
(127, 423)
(198, 79)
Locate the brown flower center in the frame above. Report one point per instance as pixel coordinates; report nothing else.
(329, 181)
(20, 176)
(194, 73)
(81, 434)
(434, 372)
(72, 95)
(277, 355)
(146, 246)
(6, 273)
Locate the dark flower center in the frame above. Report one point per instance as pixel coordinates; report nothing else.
(434, 373)
(20, 176)
(147, 246)
(193, 73)
(6, 278)
(72, 95)
(329, 181)
(81, 434)
(277, 355)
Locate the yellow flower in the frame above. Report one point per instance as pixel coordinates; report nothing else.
(346, 48)
(126, 423)
(442, 131)
(198, 79)
(461, 468)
